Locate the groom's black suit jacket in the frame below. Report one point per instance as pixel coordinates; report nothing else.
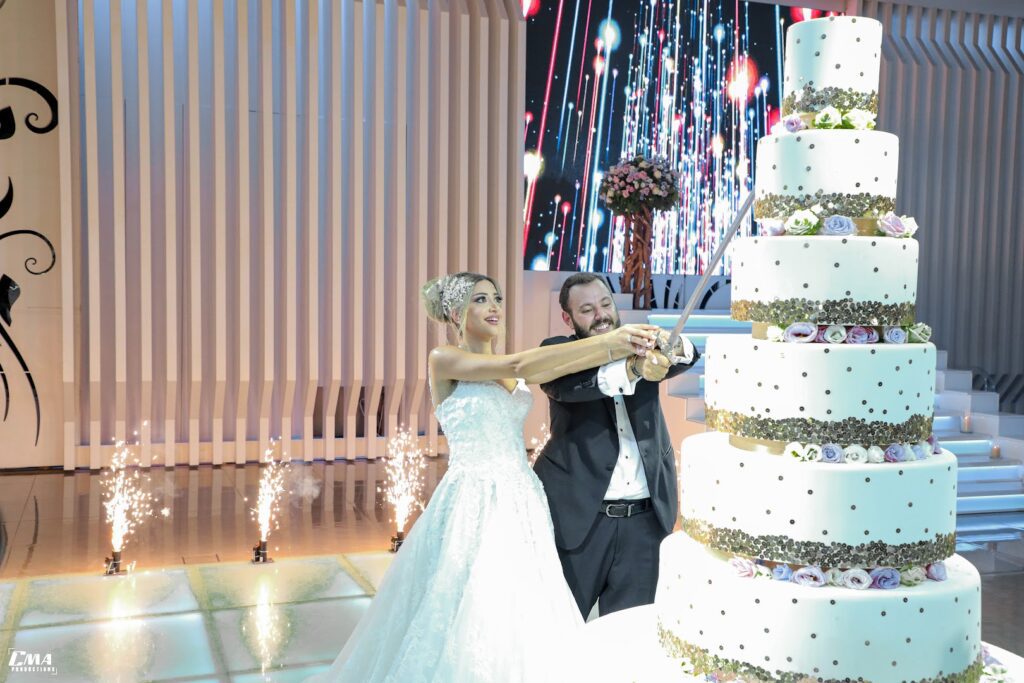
(577, 462)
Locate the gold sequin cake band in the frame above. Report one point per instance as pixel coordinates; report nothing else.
(809, 99)
(757, 445)
(703, 663)
(780, 548)
(852, 430)
(851, 205)
(783, 312)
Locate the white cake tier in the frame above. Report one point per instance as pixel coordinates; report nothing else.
(832, 62)
(777, 508)
(847, 172)
(780, 631)
(832, 280)
(869, 395)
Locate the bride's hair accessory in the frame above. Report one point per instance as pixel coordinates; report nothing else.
(454, 291)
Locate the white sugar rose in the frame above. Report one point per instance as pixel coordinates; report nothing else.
(775, 333)
(859, 119)
(812, 453)
(829, 117)
(802, 223)
(876, 454)
(794, 449)
(913, 576)
(854, 453)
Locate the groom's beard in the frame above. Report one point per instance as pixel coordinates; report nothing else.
(582, 333)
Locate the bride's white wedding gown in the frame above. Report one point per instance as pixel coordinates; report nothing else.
(476, 592)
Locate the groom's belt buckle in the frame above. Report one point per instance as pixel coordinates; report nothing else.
(623, 509)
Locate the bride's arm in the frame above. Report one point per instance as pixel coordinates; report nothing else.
(543, 364)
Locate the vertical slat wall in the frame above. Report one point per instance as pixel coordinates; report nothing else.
(303, 167)
(951, 88)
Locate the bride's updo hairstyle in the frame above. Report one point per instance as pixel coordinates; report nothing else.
(444, 296)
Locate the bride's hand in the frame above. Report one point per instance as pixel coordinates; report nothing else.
(632, 339)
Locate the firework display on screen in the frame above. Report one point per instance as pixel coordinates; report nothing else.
(695, 82)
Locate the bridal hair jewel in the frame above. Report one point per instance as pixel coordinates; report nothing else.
(454, 290)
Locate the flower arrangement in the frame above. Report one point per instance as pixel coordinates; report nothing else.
(817, 221)
(827, 119)
(636, 184)
(810, 333)
(855, 578)
(835, 454)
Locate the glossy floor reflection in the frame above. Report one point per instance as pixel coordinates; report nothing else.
(196, 610)
(52, 523)
(218, 622)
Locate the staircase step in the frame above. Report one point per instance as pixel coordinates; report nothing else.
(945, 421)
(1000, 470)
(953, 380)
(704, 321)
(968, 401)
(984, 523)
(1003, 424)
(1008, 500)
(967, 444)
(941, 359)
(966, 489)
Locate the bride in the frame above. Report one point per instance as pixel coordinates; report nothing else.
(477, 593)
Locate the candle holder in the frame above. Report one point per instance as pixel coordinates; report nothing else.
(259, 553)
(997, 452)
(397, 540)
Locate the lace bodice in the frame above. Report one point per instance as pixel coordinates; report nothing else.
(483, 423)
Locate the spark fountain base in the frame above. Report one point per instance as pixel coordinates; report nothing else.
(113, 566)
(397, 540)
(259, 553)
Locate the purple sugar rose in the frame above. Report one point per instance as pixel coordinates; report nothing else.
(857, 335)
(885, 578)
(891, 225)
(772, 227)
(895, 335)
(839, 225)
(872, 335)
(937, 571)
(800, 333)
(794, 123)
(857, 579)
(832, 453)
(743, 567)
(936, 448)
(920, 452)
(809, 576)
(782, 572)
(894, 453)
(820, 338)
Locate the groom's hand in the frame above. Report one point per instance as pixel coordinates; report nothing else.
(654, 366)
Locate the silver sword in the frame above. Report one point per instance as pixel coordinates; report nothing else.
(673, 338)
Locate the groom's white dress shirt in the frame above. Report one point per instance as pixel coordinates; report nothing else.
(629, 480)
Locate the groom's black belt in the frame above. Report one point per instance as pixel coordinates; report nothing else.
(625, 508)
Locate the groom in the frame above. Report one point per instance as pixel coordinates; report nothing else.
(609, 468)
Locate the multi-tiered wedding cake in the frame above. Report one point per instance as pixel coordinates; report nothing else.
(819, 517)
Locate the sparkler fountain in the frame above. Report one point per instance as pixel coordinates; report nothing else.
(268, 503)
(127, 504)
(404, 466)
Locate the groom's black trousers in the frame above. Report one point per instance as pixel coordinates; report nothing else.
(617, 562)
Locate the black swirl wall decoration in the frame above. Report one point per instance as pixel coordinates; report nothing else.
(7, 120)
(8, 199)
(9, 293)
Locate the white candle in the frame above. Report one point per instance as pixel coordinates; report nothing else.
(965, 423)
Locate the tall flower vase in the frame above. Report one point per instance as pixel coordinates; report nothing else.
(636, 272)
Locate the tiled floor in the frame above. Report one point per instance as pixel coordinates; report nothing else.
(196, 610)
